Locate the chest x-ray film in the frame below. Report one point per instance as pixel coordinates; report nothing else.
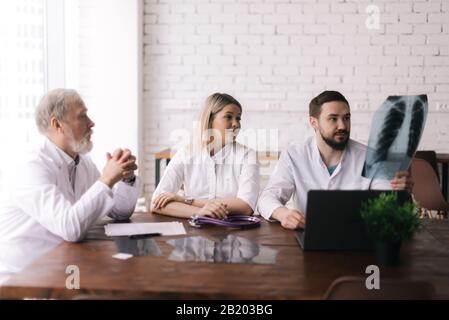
(395, 134)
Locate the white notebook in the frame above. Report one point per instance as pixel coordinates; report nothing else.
(127, 229)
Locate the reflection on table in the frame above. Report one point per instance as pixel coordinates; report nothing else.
(137, 247)
(229, 249)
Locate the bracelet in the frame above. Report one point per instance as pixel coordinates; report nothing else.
(130, 180)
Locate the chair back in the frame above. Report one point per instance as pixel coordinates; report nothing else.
(354, 288)
(426, 189)
(431, 157)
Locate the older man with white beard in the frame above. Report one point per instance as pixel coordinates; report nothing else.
(59, 193)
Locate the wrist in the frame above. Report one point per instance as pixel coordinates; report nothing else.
(279, 214)
(106, 181)
(179, 198)
(201, 211)
(188, 201)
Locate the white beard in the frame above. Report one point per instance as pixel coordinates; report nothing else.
(79, 147)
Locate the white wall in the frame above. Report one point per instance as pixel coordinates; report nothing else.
(274, 56)
(108, 79)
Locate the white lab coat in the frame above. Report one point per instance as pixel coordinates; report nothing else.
(40, 209)
(301, 168)
(233, 172)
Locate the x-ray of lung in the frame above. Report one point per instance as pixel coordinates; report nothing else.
(228, 249)
(395, 134)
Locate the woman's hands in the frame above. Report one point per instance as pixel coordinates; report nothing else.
(214, 209)
(165, 198)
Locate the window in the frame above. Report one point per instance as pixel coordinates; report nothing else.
(22, 74)
(80, 44)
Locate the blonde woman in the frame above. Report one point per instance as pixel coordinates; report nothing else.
(219, 176)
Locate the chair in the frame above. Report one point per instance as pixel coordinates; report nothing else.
(431, 157)
(354, 288)
(427, 190)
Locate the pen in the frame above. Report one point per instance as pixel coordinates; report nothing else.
(145, 235)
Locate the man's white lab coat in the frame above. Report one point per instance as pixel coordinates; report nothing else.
(301, 168)
(41, 209)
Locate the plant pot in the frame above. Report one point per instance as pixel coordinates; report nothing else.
(387, 253)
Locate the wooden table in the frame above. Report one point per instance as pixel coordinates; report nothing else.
(295, 275)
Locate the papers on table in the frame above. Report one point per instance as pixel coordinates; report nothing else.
(127, 229)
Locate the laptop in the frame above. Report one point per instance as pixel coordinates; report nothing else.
(333, 220)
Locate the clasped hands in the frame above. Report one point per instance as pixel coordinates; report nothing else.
(120, 165)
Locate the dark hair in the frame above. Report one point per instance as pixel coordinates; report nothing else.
(322, 98)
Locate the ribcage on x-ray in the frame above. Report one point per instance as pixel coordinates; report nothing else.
(416, 125)
(395, 136)
(390, 129)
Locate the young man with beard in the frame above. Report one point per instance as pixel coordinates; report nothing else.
(59, 193)
(329, 160)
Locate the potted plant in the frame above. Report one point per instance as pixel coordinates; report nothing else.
(390, 223)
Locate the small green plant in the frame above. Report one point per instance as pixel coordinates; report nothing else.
(389, 221)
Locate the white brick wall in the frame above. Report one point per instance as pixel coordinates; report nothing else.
(274, 56)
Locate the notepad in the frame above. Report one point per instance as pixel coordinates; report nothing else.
(127, 229)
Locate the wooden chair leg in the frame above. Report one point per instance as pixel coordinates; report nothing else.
(443, 214)
(422, 213)
(426, 213)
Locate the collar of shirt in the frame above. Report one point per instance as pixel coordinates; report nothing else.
(316, 156)
(59, 156)
(222, 154)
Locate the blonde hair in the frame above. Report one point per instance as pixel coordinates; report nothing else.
(213, 105)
